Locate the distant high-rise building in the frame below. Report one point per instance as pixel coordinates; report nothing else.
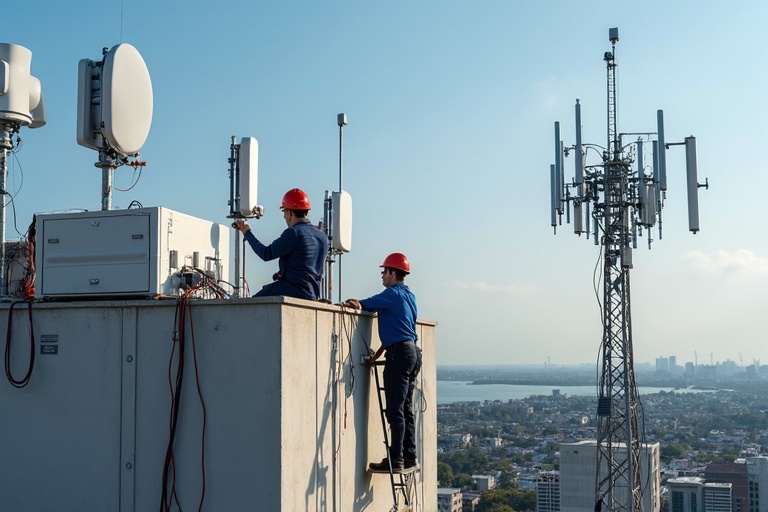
(548, 492)
(696, 494)
(686, 494)
(757, 471)
(706, 371)
(578, 467)
(734, 473)
(717, 497)
(728, 368)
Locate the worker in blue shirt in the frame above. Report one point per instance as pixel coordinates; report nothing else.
(301, 250)
(397, 313)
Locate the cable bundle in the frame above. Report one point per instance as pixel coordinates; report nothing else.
(25, 380)
(175, 381)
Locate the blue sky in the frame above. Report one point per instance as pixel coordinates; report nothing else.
(451, 108)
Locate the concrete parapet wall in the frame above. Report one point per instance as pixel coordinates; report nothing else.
(291, 414)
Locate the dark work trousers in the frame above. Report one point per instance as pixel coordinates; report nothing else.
(284, 288)
(403, 363)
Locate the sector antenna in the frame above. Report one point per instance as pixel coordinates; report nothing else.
(613, 202)
(243, 192)
(337, 220)
(243, 187)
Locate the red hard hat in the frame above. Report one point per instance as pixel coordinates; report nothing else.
(397, 260)
(295, 199)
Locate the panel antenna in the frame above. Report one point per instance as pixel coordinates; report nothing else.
(243, 191)
(337, 220)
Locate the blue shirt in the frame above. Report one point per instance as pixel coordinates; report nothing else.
(396, 307)
(302, 249)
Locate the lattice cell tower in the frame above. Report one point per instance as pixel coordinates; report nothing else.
(612, 202)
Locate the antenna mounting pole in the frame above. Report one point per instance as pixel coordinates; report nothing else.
(341, 120)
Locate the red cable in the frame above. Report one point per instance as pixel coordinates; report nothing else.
(184, 309)
(169, 466)
(202, 405)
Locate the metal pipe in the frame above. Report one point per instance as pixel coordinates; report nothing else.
(6, 145)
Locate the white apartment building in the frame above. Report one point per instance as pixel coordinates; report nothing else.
(717, 497)
(548, 492)
(483, 482)
(578, 467)
(695, 494)
(449, 500)
(685, 494)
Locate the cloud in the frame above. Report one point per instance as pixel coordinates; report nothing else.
(740, 262)
(480, 286)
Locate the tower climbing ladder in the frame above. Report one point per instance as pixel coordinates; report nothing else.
(405, 485)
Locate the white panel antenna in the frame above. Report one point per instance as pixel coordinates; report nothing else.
(578, 213)
(248, 177)
(656, 189)
(650, 205)
(662, 151)
(691, 168)
(556, 174)
(560, 171)
(578, 218)
(642, 188)
(579, 155)
(553, 195)
(243, 189)
(337, 220)
(341, 206)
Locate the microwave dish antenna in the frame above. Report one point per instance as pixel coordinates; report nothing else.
(114, 110)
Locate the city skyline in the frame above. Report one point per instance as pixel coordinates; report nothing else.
(697, 359)
(446, 154)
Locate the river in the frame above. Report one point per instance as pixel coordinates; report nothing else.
(450, 391)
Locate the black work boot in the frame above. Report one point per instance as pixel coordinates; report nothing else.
(397, 465)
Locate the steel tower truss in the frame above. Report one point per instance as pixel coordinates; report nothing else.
(622, 202)
(617, 485)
